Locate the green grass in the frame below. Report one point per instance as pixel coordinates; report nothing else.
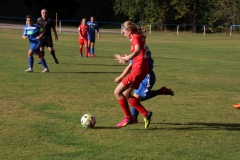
(40, 112)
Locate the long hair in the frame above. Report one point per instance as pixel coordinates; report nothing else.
(130, 25)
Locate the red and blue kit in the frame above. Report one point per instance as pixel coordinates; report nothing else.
(140, 66)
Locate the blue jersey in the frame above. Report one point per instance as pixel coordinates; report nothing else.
(32, 32)
(92, 27)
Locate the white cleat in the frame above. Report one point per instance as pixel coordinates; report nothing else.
(29, 70)
(45, 70)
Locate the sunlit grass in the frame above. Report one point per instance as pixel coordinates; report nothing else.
(40, 112)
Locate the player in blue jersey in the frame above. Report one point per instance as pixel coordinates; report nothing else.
(144, 90)
(93, 26)
(34, 33)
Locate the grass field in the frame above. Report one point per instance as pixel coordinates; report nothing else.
(40, 112)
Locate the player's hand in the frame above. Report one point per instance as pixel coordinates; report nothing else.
(56, 38)
(119, 58)
(24, 37)
(118, 80)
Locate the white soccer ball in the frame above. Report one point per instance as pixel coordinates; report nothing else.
(88, 121)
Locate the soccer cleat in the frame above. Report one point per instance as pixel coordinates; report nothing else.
(80, 55)
(166, 91)
(237, 106)
(134, 120)
(29, 70)
(45, 70)
(92, 55)
(124, 122)
(147, 119)
(56, 61)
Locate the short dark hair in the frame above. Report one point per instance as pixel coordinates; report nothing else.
(29, 16)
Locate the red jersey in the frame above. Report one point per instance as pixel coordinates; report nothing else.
(140, 62)
(83, 30)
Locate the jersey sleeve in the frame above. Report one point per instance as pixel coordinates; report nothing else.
(135, 41)
(38, 21)
(52, 24)
(97, 27)
(24, 31)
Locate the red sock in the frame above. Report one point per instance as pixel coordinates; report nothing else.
(135, 102)
(80, 50)
(125, 107)
(86, 50)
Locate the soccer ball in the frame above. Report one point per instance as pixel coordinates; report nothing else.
(88, 121)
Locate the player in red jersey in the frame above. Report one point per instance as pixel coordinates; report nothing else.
(83, 39)
(139, 70)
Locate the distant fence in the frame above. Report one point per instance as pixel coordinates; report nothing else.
(115, 27)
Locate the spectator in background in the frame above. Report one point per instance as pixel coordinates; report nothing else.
(48, 25)
(91, 36)
(34, 33)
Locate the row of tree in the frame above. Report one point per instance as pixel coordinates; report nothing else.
(195, 12)
(159, 12)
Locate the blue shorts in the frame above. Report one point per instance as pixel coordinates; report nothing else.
(146, 85)
(91, 38)
(35, 46)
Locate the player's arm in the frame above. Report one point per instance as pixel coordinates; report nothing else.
(126, 58)
(98, 33)
(124, 73)
(54, 30)
(42, 32)
(79, 33)
(24, 34)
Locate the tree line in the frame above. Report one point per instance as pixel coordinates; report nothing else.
(159, 12)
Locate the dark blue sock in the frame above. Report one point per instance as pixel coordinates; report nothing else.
(149, 95)
(92, 50)
(43, 63)
(30, 62)
(134, 112)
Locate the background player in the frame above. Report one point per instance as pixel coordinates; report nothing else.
(34, 33)
(48, 25)
(83, 30)
(91, 36)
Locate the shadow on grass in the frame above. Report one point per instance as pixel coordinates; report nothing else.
(106, 128)
(89, 72)
(200, 126)
(84, 64)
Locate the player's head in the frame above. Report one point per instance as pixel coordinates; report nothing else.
(84, 20)
(142, 31)
(129, 28)
(92, 18)
(44, 13)
(29, 19)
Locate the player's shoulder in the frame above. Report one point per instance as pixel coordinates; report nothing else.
(25, 26)
(49, 19)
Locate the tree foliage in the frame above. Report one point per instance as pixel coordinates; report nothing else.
(182, 12)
